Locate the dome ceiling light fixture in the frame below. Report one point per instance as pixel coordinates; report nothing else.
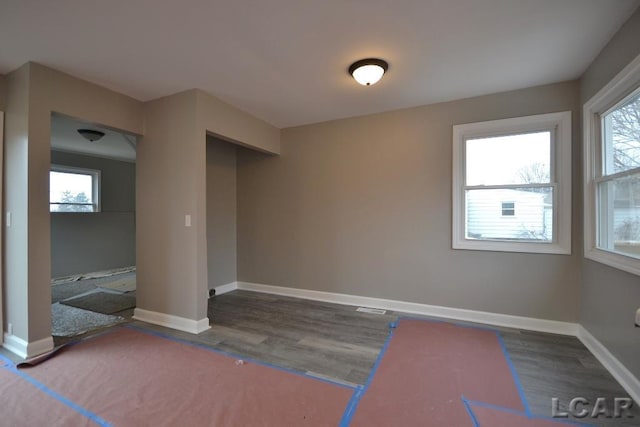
(90, 134)
(368, 71)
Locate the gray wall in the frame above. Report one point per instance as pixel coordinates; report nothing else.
(3, 92)
(221, 212)
(610, 297)
(363, 206)
(82, 243)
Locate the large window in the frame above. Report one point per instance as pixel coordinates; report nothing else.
(73, 189)
(612, 172)
(512, 184)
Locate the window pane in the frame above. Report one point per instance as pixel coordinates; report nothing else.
(530, 219)
(70, 192)
(621, 132)
(619, 217)
(511, 159)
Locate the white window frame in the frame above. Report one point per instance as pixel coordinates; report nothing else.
(560, 126)
(96, 177)
(611, 95)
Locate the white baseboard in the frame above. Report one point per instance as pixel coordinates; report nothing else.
(171, 321)
(627, 380)
(223, 289)
(25, 349)
(518, 322)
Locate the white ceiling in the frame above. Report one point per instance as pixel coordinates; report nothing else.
(285, 61)
(113, 145)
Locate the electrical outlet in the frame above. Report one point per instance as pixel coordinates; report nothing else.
(8, 219)
(187, 220)
(10, 329)
(638, 317)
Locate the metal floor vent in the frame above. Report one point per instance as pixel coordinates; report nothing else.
(371, 310)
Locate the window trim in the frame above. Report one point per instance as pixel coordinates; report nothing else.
(96, 181)
(559, 124)
(620, 87)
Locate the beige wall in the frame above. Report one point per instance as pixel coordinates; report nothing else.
(172, 259)
(3, 92)
(16, 202)
(171, 183)
(610, 297)
(170, 178)
(363, 206)
(229, 123)
(34, 92)
(221, 212)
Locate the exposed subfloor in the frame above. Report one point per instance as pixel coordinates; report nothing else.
(336, 341)
(83, 287)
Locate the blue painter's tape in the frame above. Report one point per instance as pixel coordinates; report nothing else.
(514, 374)
(472, 403)
(236, 356)
(90, 415)
(352, 406)
(465, 402)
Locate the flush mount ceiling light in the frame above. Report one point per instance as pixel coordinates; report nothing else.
(90, 134)
(368, 71)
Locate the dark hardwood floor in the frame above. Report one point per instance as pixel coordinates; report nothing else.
(339, 343)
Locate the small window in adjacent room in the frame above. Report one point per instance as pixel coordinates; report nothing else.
(612, 172)
(73, 189)
(501, 164)
(508, 209)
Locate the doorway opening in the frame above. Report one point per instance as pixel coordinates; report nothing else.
(92, 213)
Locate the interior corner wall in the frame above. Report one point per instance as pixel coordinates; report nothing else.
(88, 242)
(33, 93)
(609, 296)
(362, 206)
(221, 212)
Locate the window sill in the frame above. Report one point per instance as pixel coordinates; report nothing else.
(519, 247)
(76, 213)
(615, 260)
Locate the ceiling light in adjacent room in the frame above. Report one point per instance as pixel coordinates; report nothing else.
(368, 71)
(90, 134)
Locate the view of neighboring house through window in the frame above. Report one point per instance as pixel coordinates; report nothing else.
(517, 167)
(73, 189)
(507, 184)
(612, 172)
